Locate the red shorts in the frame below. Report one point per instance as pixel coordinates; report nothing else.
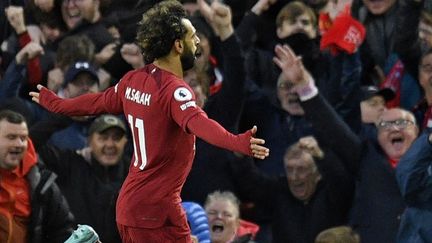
(165, 234)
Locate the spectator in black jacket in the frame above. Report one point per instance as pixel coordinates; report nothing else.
(378, 204)
(101, 169)
(315, 193)
(32, 208)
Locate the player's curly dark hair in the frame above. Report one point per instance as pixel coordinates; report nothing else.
(160, 26)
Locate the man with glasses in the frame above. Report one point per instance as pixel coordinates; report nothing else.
(378, 205)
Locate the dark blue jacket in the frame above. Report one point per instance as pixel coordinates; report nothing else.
(414, 175)
(378, 203)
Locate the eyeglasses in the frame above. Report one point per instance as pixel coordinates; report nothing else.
(399, 124)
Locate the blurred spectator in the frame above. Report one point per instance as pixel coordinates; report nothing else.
(340, 234)
(379, 18)
(414, 36)
(15, 16)
(211, 59)
(391, 43)
(11, 84)
(86, 19)
(101, 167)
(378, 203)
(336, 76)
(274, 106)
(224, 218)
(314, 194)
(46, 14)
(414, 175)
(423, 109)
(70, 50)
(32, 208)
(81, 78)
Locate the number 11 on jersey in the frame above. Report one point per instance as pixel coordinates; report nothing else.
(139, 143)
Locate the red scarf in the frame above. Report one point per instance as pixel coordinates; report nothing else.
(393, 81)
(393, 162)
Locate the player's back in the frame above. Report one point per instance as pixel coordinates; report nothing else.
(157, 105)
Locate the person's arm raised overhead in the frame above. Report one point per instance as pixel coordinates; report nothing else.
(324, 118)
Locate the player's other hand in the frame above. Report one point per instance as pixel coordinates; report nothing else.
(35, 95)
(258, 151)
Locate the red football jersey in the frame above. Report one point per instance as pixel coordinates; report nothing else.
(157, 105)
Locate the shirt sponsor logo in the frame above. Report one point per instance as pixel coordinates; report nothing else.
(182, 94)
(137, 96)
(188, 104)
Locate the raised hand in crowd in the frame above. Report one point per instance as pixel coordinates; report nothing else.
(15, 16)
(291, 65)
(106, 53)
(55, 79)
(310, 144)
(30, 51)
(262, 6)
(219, 17)
(45, 5)
(131, 53)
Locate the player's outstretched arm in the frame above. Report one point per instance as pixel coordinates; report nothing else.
(213, 133)
(86, 104)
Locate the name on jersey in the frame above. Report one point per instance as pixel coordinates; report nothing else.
(188, 104)
(137, 97)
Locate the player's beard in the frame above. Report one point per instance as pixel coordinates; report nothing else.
(187, 59)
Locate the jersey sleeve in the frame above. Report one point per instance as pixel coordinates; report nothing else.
(109, 101)
(182, 105)
(212, 132)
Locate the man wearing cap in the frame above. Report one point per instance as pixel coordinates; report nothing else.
(91, 178)
(372, 105)
(373, 102)
(81, 78)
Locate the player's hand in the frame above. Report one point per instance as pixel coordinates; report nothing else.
(35, 95)
(258, 151)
